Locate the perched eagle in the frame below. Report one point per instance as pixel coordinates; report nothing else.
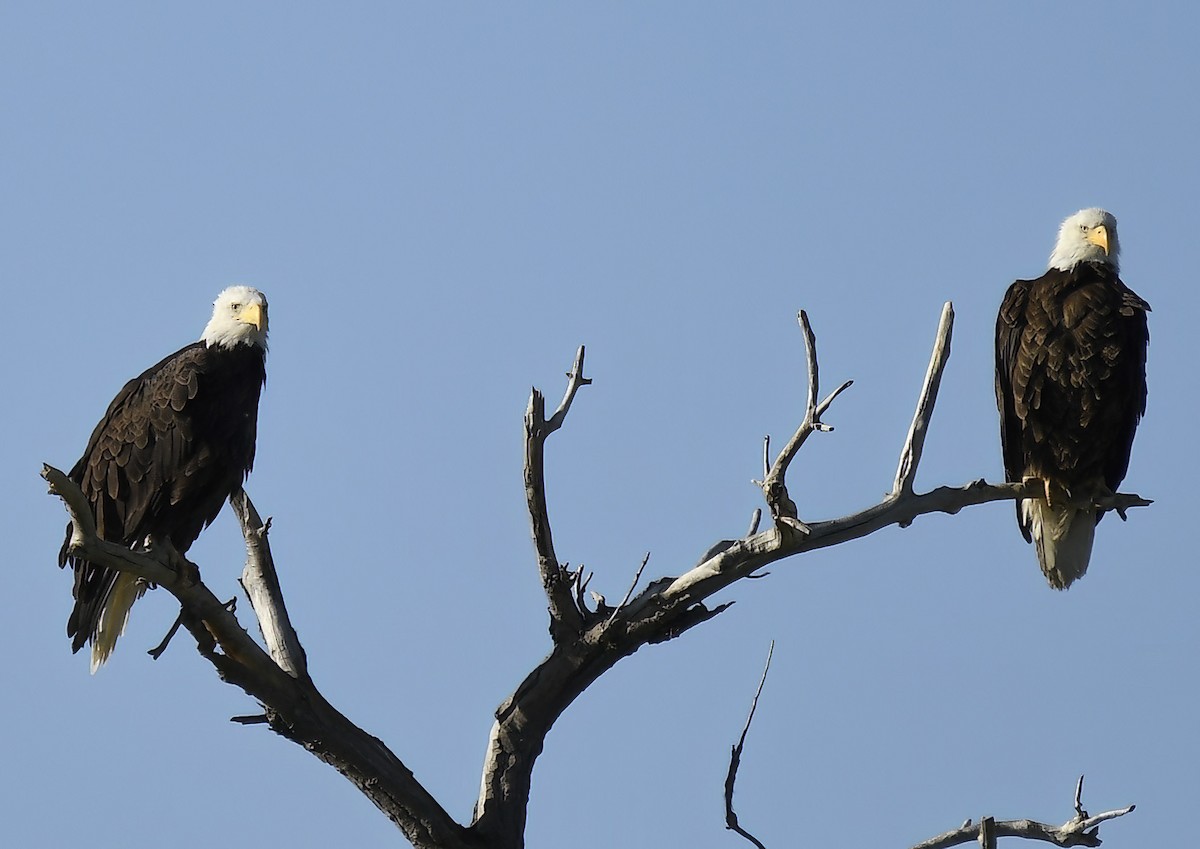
(1071, 388)
(176, 442)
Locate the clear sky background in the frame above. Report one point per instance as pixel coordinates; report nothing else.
(442, 201)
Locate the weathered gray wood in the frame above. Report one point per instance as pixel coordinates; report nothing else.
(914, 442)
(261, 583)
(1081, 830)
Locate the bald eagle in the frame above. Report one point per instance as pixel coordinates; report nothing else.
(1071, 388)
(175, 443)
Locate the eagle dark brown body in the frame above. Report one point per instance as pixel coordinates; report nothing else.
(174, 444)
(1071, 388)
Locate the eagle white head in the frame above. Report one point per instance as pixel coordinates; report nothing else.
(239, 318)
(1089, 235)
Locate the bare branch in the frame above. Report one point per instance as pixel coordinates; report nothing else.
(637, 577)
(575, 379)
(735, 759)
(914, 443)
(1120, 502)
(150, 566)
(566, 618)
(1080, 830)
(158, 650)
(774, 487)
(294, 707)
(579, 583)
(745, 556)
(824, 405)
(1094, 821)
(261, 583)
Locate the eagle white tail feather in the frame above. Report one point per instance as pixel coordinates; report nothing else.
(1064, 538)
(126, 589)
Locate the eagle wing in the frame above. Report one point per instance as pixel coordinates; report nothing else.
(138, 444)
(126, 467)
(1131, 335)
(1013, 369)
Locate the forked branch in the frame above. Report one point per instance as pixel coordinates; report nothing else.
(566, 618)
(735, 759)
(774, 487)
(588, 643)
(1081, 830)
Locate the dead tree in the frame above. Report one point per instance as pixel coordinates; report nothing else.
(587, 639)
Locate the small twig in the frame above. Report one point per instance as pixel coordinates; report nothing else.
(575, 379)
(755, 518)
(628, 593)
(581, 585)
(158, 650)
(914, 442)
(779, 467)
(253, 719)
(810, 353)
(1082, 821)
(1120, 502)
(824, 405)
(1093, 822)
(735, 759)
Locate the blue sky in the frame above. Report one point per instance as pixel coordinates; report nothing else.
(442, 201)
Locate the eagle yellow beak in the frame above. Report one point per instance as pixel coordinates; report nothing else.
(253, 314)
(1098, 236)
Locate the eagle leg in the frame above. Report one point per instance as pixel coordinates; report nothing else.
(1057, 495)
(1031, 480)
